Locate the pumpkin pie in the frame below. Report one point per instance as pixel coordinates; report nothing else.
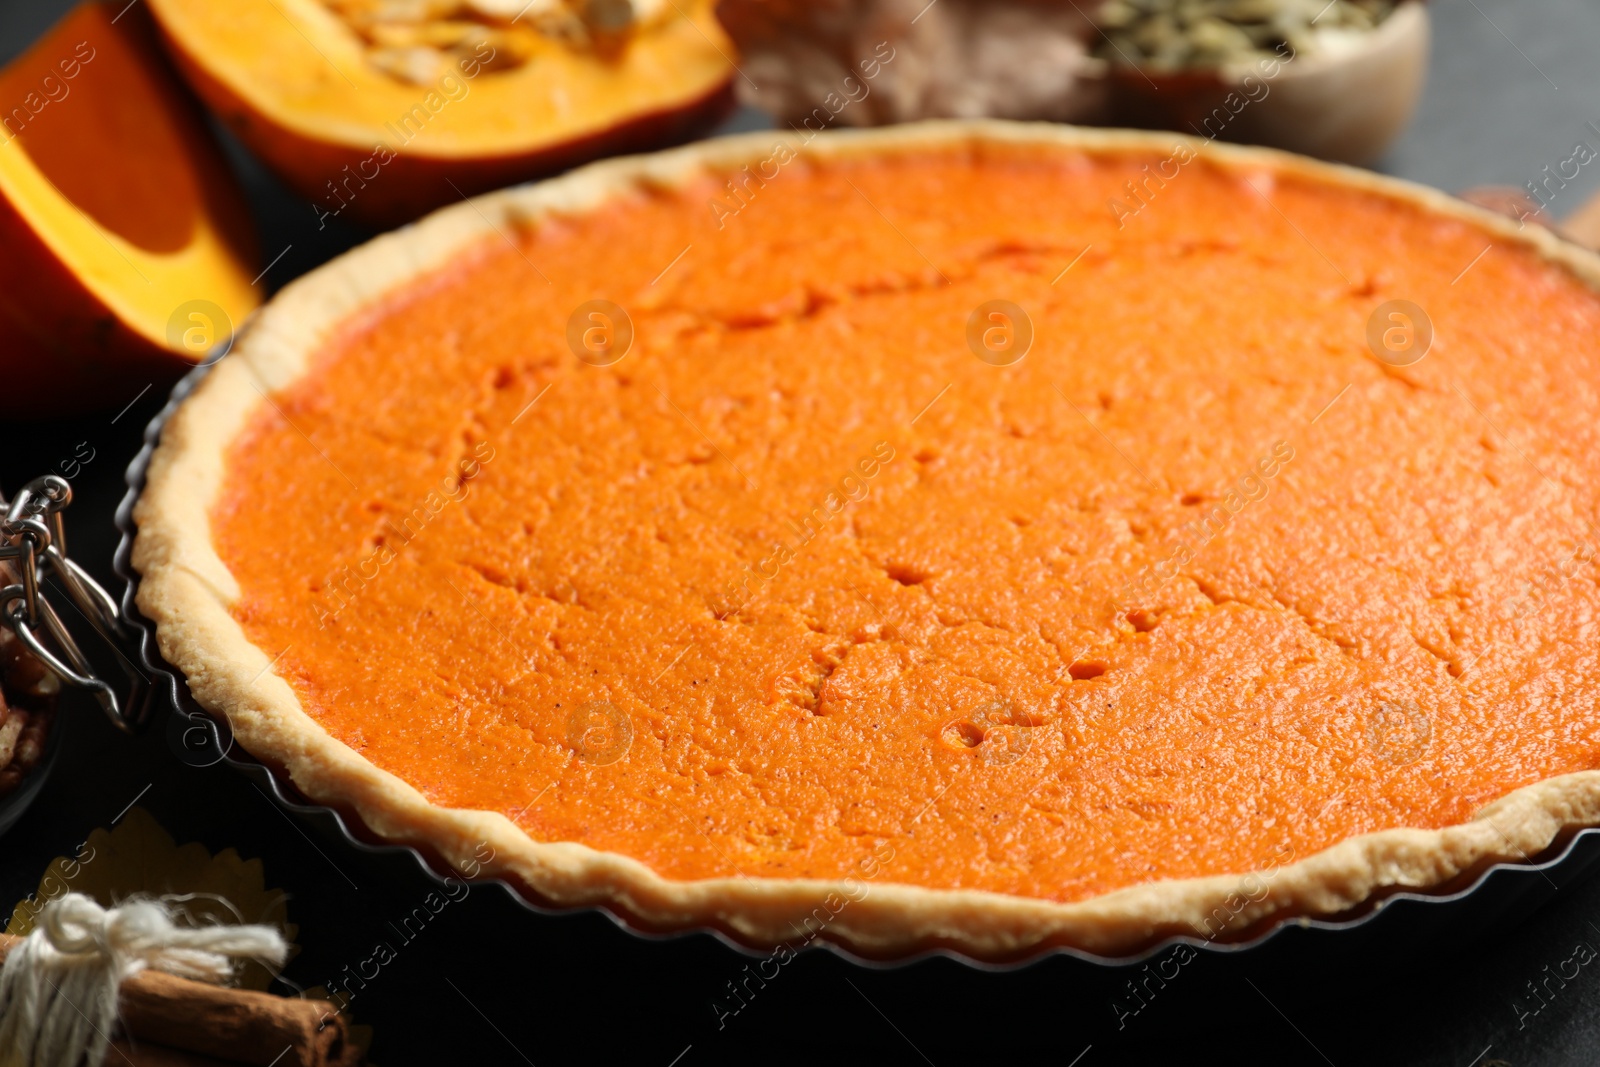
(976, 535)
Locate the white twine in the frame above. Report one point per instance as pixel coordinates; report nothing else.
(58, 989)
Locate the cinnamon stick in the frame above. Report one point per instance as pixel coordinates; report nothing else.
(235, 1025)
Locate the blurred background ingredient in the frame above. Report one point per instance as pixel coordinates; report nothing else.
(116, 210)
(1015, 59)
(1174, 34)
(1337, 79)
(379, 111)
(168, 1021)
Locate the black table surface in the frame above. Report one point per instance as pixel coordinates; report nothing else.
(1512, 87)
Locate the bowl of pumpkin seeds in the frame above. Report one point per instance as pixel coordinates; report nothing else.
(1337, 79)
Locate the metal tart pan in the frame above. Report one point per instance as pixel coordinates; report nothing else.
(1493, 898)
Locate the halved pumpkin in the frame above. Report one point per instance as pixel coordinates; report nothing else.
(380, 110)
(126, 251)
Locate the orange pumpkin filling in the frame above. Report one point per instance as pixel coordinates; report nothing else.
(1198, 583)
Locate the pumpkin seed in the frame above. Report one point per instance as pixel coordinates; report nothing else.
(1173, 34)
(414, 65)
(1117, 15)
(417, 41)
(1211, 34)
(608, 16)
(506, 10)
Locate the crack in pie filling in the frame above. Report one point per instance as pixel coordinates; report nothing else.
(799, 596)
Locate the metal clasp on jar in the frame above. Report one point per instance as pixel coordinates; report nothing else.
(32, 533)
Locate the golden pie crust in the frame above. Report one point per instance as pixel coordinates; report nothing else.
(188, 591)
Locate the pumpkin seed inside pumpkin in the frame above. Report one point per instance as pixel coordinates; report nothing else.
(419, 41)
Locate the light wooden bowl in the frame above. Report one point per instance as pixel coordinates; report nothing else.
(1346, 106)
